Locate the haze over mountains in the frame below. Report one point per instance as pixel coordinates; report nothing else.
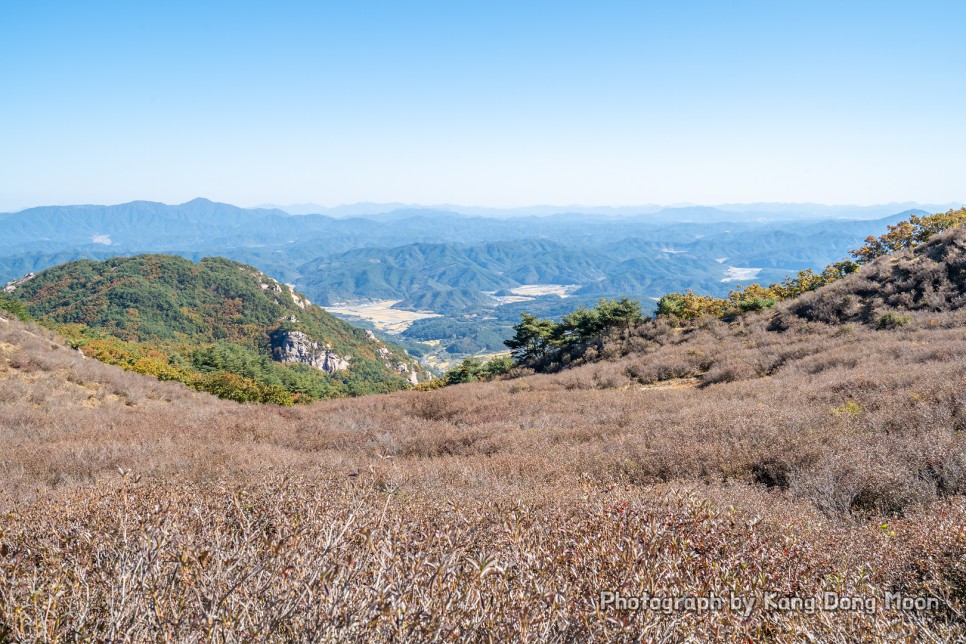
(38, 237)
(775, 209)
(460, 261)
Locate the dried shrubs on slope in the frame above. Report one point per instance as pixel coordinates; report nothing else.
(930, 278)
(289, 559)
(497, 509)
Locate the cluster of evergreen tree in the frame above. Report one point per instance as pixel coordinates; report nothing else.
(536, 338)
(300, 380)
(472, 369)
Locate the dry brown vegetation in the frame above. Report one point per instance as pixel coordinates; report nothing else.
(930, 278)
(815, 458)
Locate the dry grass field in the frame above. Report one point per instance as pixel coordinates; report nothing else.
(381, 314)
(768, 462)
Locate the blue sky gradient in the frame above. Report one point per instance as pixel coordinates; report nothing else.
(489, 103)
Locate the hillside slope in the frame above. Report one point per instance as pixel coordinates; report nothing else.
(928, 278)
(746, 460)
(216, 314)
(927, 281)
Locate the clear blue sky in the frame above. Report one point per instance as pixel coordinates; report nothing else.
(482, 103)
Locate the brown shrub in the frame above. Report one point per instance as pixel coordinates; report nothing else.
(814, 438)
(285, 558)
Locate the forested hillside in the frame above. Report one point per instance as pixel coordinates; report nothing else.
(217, 325)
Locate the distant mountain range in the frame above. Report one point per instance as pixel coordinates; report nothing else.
(451, 260)
(438, 258)
(744, 210)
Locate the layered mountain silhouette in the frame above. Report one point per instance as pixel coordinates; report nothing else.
(452, 263)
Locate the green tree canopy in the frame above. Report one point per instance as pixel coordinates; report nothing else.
(531, 338)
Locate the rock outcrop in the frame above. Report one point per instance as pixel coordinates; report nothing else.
(411, 375)
(296, 346)
(12, 285)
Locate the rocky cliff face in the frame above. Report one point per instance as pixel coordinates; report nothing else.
(295, 346)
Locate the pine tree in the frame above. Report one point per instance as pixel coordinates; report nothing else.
(531, 338)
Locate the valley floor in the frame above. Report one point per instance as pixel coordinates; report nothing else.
(381, 314)
(730, 461)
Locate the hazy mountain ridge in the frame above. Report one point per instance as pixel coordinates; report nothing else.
(432, 258)
(769, 209)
